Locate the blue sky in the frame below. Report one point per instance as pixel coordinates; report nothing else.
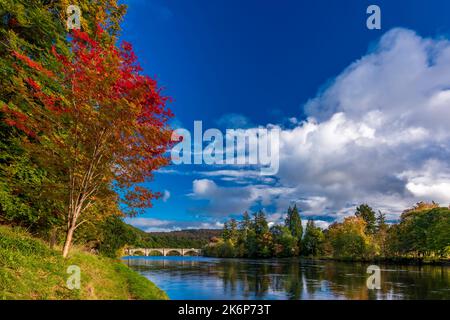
(302, 66)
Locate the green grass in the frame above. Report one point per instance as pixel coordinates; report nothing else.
(29, 269)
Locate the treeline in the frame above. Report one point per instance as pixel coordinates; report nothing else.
(423, 232)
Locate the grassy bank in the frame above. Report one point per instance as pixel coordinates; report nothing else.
(30, 270)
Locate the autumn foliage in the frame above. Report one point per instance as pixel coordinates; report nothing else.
(93, 116)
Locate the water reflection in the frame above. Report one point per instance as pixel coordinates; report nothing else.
(210, 278)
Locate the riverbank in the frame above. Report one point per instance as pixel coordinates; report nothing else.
(412, 261)
(29, 269)
(382, 260)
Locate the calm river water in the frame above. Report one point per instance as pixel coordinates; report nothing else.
(211, 278)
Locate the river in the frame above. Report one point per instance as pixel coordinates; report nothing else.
(212, 278)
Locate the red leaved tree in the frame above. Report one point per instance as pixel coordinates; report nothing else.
(93, 116)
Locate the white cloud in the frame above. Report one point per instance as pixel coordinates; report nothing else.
(203, 187)
(224, 201)
(432, 181)
(242, 176)
(321, 224)
(385, 114)
(159, 225)
(147, 222)
(378, 134)
(293, 120)
(166, 195)
(233, 120)
(437, 191)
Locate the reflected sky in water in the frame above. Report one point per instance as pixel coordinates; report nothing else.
(212, 278)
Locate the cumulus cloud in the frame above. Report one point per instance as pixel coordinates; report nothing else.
(384, 115)
(377, 134)
(432, 181)
(160, 225)
(224, 201)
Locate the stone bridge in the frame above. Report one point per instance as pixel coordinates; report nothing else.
(161, 251)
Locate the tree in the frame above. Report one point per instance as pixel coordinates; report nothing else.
(226, 231)
(263, 238)
(381, 234)
(294, 223)
(313, 240)
(365, 212)
(422, 232)
(24, 198)
(97, 120)
(420, 206)
(114, 234)
(230, 231)
(284, 244)
(245, 226)
(349, 239)
(29, 191)
(381, 222)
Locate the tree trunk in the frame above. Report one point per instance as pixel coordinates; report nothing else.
(68, 242)
(71, 226)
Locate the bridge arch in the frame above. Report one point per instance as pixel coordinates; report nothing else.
(196, 252)
(179, 251)
(137, 252)
(149, 251)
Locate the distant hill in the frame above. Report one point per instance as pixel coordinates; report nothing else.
(190, 238)
(189, 233)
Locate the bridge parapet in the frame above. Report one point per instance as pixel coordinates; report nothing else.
(162, 251)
